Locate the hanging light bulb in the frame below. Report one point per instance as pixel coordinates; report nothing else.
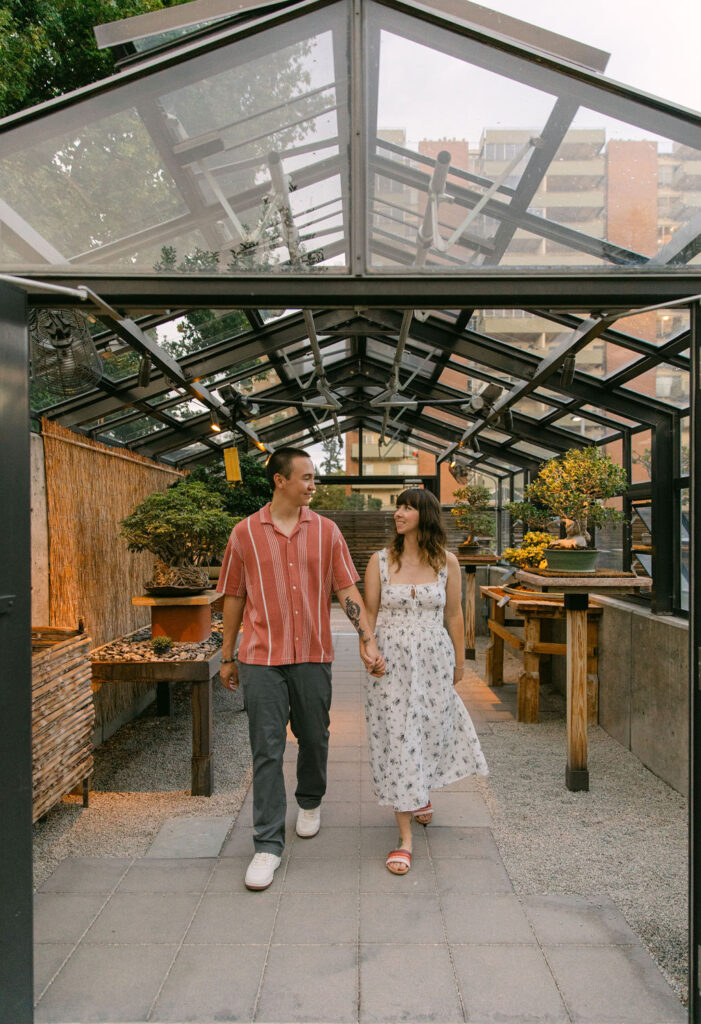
(144, 371)
(214, 424)
(568, 368)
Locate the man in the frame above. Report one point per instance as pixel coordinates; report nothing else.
(280, 567)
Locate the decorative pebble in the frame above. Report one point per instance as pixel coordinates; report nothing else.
(136, 646)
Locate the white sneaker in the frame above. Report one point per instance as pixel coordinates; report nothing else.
(261, 870)
(308, 822)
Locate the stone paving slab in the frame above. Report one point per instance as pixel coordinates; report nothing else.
(190, 837)
(175, 936)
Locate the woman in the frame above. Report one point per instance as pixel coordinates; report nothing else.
(420, 735)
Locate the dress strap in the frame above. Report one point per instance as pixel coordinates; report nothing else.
(384, 567)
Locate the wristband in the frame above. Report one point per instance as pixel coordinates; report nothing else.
(227, 661)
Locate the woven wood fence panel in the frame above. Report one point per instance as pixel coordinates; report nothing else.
(63, 717)
(90, 487)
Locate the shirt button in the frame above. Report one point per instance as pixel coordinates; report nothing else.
(296, 612)
(293, 587)
(292, 565)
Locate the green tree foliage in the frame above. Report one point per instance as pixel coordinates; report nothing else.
(242, 499)
(47, 47)
(328, 496)
(331, 463)
(185, 525)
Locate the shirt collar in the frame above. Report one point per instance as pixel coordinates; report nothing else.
(305, 514)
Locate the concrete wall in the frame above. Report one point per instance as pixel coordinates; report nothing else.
(643, 683)
(644, 687)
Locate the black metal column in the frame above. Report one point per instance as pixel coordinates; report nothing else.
(16, 956)
(663, 527)
(694, 679)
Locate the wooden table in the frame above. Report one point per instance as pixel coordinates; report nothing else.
(164, 673)
(469, 562)
(534, 608)
(576, 589)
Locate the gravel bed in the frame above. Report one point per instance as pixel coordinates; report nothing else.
(625, 839)
(142, 777)
(138, 645)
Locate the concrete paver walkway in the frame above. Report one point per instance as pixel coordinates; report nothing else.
(175, 936)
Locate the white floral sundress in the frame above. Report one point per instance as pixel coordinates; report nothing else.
(419, 732)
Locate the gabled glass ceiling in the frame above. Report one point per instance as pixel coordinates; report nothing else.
(243, 150)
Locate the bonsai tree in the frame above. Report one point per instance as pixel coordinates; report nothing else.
(471, 512)
(185, 527)
(571, 488)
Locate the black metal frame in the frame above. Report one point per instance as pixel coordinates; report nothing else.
(695, 681)
(16, 946)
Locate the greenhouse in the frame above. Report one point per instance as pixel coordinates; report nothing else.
(236, 242)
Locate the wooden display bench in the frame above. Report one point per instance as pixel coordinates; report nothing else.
(534, 609)
(576, 590)
(163, 674)
(181, 618)
(469, 562)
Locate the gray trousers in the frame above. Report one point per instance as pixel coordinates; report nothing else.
(274, 695)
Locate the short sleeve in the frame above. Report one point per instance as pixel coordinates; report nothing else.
(344, 572)
(232, 577)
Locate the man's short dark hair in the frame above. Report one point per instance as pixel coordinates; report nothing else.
(281, 462)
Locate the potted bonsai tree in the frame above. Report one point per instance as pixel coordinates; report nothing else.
(186, 528)
(572, 489)
(472, 513)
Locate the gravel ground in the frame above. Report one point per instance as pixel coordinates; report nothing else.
(626, 838)
(142, 777)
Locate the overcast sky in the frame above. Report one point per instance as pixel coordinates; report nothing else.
(653, 46)
(653, 43)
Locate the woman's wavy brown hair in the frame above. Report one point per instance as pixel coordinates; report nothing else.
(431, 535)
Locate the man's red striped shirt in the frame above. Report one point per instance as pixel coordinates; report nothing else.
(287, 582)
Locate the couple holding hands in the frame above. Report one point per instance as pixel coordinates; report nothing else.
(281, 566)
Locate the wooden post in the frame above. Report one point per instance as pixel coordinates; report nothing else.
(577, 773)
(494, 662)
(529, 681)
(164, 705)
(202, 774)
(470, 578)
(593, 669)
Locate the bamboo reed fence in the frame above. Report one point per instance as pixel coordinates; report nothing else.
(63, 715)
(90, 487)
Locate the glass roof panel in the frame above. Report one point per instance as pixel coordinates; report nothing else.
(145, 426)
(666, 383)
(530, 407)
(534, 449)
(615, 417)
(583, 176)
(583, 426)
(171, 170)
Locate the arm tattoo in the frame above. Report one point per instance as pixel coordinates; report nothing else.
(353, 613)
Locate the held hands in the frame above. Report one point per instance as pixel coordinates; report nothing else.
(372, 659)
(229, 675)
